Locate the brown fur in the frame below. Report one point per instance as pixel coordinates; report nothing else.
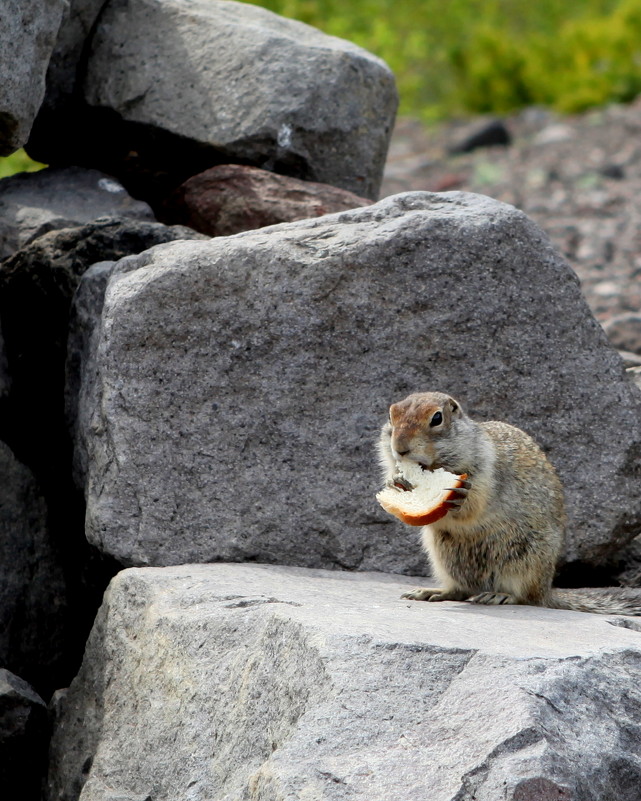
(503, 543)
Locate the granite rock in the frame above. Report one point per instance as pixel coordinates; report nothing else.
(241, 383)
(80, 385)
(42, 277)
(28, 30)
(33, 203)
(272, 683)
(66, 65)
(255, 88)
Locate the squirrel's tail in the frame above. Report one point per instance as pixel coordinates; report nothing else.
(600, 600)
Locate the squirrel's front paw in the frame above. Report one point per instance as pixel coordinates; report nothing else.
(460, 495)
(435, 594)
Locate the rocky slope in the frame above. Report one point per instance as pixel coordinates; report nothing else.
(578, 177)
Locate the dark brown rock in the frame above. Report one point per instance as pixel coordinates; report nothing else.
(232, 198)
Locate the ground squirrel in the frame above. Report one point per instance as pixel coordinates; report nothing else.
(501, 539)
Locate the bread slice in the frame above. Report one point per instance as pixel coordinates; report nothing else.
(426, 502)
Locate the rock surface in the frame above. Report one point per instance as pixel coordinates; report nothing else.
(31, 204)
(28, 31)
(66, 68)
(80, 385)
(255, 88)
(488, 133)
(23, 731)
(238, 681)
(242, 383)
(42, 277)
(624, 331)
(46, 620)
(32, 585)
(578, 177)
(232, 198)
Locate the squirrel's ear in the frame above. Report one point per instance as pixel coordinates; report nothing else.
(454, 407)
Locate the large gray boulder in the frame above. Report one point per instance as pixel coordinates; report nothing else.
(254, 88)
(28, 31)
(33, 203)
(255, 682)
(241, 383)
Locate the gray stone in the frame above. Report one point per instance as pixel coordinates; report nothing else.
(23, 738)
(634, 373)
(624, 332)
(65, 70)
(486, 133)
(42, 277)
(84, 330)
(32, 585)
(242, 383)
(254, 87)
(28, 31)
(630, 359)
(31, 204)
(255, 682)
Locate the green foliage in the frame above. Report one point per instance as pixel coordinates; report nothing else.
(463, 56)
(18, 162)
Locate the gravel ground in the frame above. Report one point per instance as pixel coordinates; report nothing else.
(578, 177)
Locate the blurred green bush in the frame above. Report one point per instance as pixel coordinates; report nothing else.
(455, 57)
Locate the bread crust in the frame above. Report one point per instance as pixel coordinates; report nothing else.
(395, 504)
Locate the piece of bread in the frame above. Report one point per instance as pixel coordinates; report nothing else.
(426, 502)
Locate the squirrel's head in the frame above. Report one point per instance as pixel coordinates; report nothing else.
(419, 422)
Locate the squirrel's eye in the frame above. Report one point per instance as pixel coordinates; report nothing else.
(437, 419)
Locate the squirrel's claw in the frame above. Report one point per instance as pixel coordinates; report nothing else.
(460, 494)
(399, 482)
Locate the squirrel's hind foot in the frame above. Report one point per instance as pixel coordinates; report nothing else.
(493, 598)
